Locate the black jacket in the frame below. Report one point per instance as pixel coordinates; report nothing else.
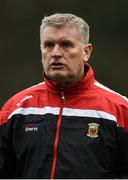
(77, 132)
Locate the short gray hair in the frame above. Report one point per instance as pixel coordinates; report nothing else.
(61, 19)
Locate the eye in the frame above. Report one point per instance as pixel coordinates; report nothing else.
(66, 44)
(48, 44)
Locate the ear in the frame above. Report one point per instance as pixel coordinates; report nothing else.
(87, 52)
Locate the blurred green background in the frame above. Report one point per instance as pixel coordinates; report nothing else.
(20, 57)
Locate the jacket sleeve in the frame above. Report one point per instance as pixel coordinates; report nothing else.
(123, 143)
(7, 158)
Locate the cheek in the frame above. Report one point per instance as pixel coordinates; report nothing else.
(77, 59)
(44, 58)
(77, 54)
(43, 54)
(78, 63)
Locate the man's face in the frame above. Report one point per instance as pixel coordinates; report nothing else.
(64, 54)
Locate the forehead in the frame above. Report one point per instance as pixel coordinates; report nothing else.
(57, 33)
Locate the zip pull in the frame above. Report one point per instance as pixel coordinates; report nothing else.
(62, 95)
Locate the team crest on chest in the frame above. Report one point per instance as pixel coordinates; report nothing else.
(93, 130)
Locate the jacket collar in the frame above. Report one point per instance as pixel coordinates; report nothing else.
(74, 88)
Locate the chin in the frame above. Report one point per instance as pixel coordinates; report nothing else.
(58, 77)
(61, 76)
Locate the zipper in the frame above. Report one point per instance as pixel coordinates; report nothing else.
(57, 134)
(62, 96)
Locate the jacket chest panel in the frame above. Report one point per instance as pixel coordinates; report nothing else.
(36, 130)
(35, 134)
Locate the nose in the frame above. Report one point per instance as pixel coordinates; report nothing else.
(56, 52)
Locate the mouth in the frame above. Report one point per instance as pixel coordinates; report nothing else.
(57, 65)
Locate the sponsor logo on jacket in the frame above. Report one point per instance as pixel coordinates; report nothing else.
(32, 126)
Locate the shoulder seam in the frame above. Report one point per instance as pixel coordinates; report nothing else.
(109, 90)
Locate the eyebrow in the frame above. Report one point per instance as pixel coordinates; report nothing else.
(62, 40)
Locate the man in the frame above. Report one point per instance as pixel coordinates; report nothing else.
(69, 126)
